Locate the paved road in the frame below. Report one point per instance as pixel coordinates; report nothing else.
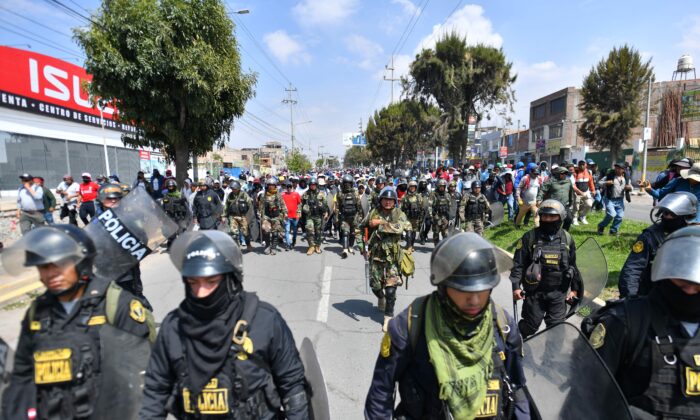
(321, 297)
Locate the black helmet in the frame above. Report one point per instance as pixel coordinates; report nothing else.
(466, 262)
(380, 180)
(348, 179)
(552, 206)
(171, 184)
(235, 186)
(109, 191)
(206, 253)
(679, 256)
(51, 244)
(390, 193)
(476, 184)
(441, 183)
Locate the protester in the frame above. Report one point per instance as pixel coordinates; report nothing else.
(30, 204)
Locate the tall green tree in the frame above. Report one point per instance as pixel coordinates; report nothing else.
(298, 163)
(463, 81)
(357, 156)
(172, 69)
(396, 133)
(611, 95)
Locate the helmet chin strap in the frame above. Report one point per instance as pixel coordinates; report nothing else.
(71, 291)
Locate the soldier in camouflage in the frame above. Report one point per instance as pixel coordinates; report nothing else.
(424, 192)
(315, 210)
(439, 209)
(348, 209)
(176, 207)
(379, 184)
(385, 225)
(413, 206)
(238, 204)
(474, 210)
(273, 215)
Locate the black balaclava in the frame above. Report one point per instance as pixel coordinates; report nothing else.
(550, 228)
(682, 306)
(672, 225)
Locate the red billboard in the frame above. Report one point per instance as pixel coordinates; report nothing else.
(51, 87)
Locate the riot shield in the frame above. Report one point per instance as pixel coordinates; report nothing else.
(593, 266)
(330, 201)
(497, 214)
(124, 358)
(364, 202)
(318, 400)
(124, 235)
(566, 379)
(7, 360)
(253, 225)
(452, 215)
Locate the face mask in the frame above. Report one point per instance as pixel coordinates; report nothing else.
(672, 225)
(86, 180)
(550, 228)
(682, 306)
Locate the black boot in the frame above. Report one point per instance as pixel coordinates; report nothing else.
(351, 243)
(344, 241)
(390, 293)
(273, 243)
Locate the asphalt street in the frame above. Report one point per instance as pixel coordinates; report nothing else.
(321, 297)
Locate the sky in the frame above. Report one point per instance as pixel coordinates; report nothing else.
(333, 54)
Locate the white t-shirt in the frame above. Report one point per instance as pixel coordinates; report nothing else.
(528, 193)
(70, 190)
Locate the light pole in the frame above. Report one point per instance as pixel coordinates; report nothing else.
(101, 105)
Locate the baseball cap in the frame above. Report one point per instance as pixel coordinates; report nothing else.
(26, 176)
(683, 163)
(86, 175)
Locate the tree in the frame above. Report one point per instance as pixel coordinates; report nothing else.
(463, 81)
(298, 163)
(333, 162)
(357, 156)
(611, 95)
(320, 163)
(396, 133)
(172, 69)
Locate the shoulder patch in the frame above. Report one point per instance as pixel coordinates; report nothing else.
(597, 338)
(638, 247)
(386, 345)
(208, 198)
(136, 311)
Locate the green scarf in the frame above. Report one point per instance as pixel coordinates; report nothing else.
(462, 365)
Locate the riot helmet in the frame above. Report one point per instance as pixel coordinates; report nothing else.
(271, 185)
(206, 253)
(313, 182)
(414, 185)
(379, 183)
(441, 185)
(675, 210)
(476, 185)
(466, 262)
(111, 192)
(126, 188)
(235, 186)
(679, 256)
(388, 193)
(552, 206)
(171, 185)
(347, 182)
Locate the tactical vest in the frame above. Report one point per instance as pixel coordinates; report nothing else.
(413, 208)
(348, 204)
(174, 207)
(227, 395)
(238, 205)
(499, 400)
(475, 207)
(441, 206)
(67, 357)
(550, 263)
(272, 208)
(315, 205)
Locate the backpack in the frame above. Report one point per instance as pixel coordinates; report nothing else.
(407, 264)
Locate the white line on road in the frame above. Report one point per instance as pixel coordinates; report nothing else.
(322, 313)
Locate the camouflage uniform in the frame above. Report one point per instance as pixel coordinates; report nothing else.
(474, 212)
(348, 212)
(413, 206)
(237, 208)
(314, 206)
(273, 216)
(439, 213)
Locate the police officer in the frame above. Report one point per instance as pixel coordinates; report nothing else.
(439, 209)
(108, 196)
(176, 207)
(651, 343)
(238, 204)
(206, 207)
(385, 227)
(348, 209)
(544, 269)
(273, 215)
(413, 206)
(424, 191)
(455, 353)
(474, 209)
(222, 351)
(456, 198)
(315, 209)
(58, 362)
(379, 185)
(675, 211)
(560, 188)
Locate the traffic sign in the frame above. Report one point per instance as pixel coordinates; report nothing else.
(503, 152)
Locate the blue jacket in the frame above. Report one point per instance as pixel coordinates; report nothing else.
(678, 184)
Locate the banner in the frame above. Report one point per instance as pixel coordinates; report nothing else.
(690, 103)
(552, 147)
(44, 85)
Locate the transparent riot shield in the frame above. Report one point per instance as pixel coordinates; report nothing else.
(497, 214)
(318, 400)
(7, 359)
(330, 201)
(124, 358)
(593, 266)
(566, 379)
(364, 202)
(452, 215)
(126, 234)
(253, 225)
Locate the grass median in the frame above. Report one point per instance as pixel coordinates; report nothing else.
(616, 248)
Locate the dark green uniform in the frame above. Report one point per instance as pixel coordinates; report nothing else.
(474, 212)
(439, 210)
(314, 207)
(237, 208)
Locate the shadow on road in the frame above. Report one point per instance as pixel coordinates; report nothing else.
(355, 308)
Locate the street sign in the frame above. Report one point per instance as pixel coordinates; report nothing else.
(144, 155)
(647, 133)
(503, 152)
(552, 147)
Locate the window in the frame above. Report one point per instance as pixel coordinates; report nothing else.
(538, 111)
(555, 131)
(538, 134)
(557, 106)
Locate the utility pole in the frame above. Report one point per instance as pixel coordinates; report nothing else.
(391, 79)
(646, 142)
(291, 103)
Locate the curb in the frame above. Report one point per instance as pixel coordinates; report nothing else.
(19, 287)
(597, 302)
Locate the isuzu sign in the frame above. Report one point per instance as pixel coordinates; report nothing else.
(48, 86)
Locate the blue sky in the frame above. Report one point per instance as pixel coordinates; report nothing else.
(334, 51)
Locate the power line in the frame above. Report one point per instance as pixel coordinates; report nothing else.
(261, 66)
(413, 26)
(70, 11)
(35, 22)
(264, 123)
(416, 15)
(54, 46)
(261, 49)
(269, 110)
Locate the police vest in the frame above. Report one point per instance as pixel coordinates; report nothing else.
(174, 207)
(205, 204)
(67, 357)
(412, 206)
(412, 387)
(238, 205)
(550, 263)
(475, 207)
(348, 204)
(227, 395)
(441, 206)
(272, 208)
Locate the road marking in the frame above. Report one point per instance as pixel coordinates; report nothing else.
(21, 291)
(322, 312)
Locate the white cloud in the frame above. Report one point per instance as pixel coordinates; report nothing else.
(691, 35)
(367, 51)
(285, 48)
(468, 22)
(407, 5)
(323, 12)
